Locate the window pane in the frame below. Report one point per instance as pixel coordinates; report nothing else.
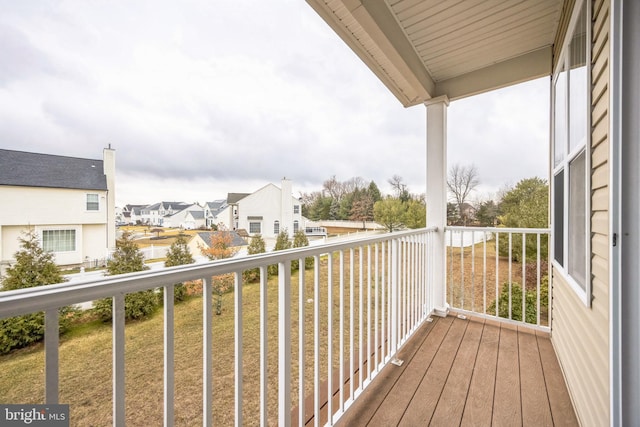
(560, 118)
(295, 226)
(59, 240)
(558, 217)
(276, 227)
(578, 84)
(577, 219)
(92, 202)
(254, 227)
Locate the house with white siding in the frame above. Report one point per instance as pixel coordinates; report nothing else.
(190, 218)
(68, 201)
(266, 211)
(155, 214)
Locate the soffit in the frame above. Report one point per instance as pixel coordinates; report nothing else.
(426, 48)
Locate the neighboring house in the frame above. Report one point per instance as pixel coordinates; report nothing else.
(267, 211)
(68, 201)
(154, 214)
(131, 214)
(203, 240)
(189, 219)
(212, 210)
(431, 53)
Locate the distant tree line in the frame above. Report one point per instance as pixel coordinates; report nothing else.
(358, 200)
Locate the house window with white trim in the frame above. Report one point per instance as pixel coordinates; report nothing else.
(276, 227)
(93, 202)
(571, 133)
(59, 240)
(254, 228)
(296, 209)
(296, 226)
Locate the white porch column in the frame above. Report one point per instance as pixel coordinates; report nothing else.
(436, 196)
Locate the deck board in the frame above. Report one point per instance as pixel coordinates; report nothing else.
(452, 401)
(535, 403)
(422, 406)
(468, 373)
(392, 409)
(507, 409)
(559, 400)
(479, 405)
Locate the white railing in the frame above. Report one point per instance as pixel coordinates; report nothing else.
(369, 295)
(504, 274)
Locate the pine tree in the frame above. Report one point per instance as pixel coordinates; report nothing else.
(179, 254)
(128, 259)
(300, 240)
(33, 267)
(256, 246)
(282, 243)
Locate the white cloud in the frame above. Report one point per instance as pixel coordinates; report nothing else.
(200, 99)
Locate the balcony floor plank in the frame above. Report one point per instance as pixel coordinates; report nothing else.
(452, 401)
(559, 400)
(397, 400)
(470, 373)
(478, 409)
(423, 405)
(535, 404)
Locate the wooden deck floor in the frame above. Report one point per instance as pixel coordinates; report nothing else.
(468, 373)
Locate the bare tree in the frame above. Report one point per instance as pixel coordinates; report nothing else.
(400, 188)
(334, 188)
(353, 184)
(461, 182)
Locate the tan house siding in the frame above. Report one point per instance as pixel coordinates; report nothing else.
(581, 334)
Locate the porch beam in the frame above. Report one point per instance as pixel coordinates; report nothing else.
(529, 66)
(436, 197)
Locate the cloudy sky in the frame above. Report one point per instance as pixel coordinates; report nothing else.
(200, 98)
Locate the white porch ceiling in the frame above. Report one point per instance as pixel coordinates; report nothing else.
(421, 49)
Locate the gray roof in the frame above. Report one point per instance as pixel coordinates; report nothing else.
(197, 214)
(24, 169)
(237, 240)
(236, 197)
(216, 204)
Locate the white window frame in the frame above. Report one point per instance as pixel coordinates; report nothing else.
(569, 155)
(296, 226)
(48, 230)
(97, 196)
(276, 227)
(296, 209)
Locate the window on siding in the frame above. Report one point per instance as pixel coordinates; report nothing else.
(254, 227)
(59, 240)
(571, 167)
(93, 203)
(296, 209)
(276, 227)
(296, 226)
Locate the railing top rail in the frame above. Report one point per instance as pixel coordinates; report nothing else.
(29, 300)
(500, 229)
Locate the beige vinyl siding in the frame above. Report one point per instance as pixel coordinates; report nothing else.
(580, 334)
